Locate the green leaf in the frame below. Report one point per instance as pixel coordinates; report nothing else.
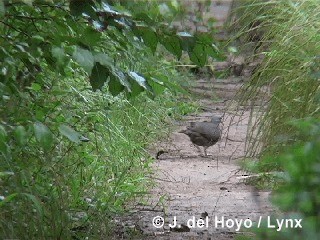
(172, 85)
(135, 89)
(204, 37)
(138, 84)
(80, 8)
(2, 9)
(117, 75)
(20, 135)
(99, 76)
(43, 135)
(40, 114)
(103, 59)
(150, 38)
(35, 87)
(38, 38)
(187, 41)
(172, 44)
(84, 58)
(142, 16)
(140, 80)
(90, 36)
(157, 86)
(115, 87)
(198, 55)
(70, 133)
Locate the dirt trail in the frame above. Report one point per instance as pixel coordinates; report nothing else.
(205, 188)
(200, 187)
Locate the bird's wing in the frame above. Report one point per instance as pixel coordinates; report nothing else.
(209, 132)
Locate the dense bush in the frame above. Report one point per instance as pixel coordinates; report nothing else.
(71, 157)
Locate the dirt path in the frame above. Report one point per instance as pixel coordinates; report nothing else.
(190, 187)
(199, 187)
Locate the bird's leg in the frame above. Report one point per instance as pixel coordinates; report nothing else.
(205, 151)
(198, 148)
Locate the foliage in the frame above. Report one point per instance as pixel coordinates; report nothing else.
(71, 157)
(94, 35)
(298, 193)
(71, 184)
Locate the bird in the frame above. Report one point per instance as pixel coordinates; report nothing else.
(204, 134)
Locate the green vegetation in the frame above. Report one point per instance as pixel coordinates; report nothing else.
(287, 79)
(71, 158)
(285, 135)
(298, 191)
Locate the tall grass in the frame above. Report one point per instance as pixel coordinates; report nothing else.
(285, 86)
(283, 95)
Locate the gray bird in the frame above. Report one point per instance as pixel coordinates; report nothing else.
(204, 134)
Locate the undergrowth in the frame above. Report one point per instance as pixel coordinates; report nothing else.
(285, 86)
(283, 138)
(61, 180)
